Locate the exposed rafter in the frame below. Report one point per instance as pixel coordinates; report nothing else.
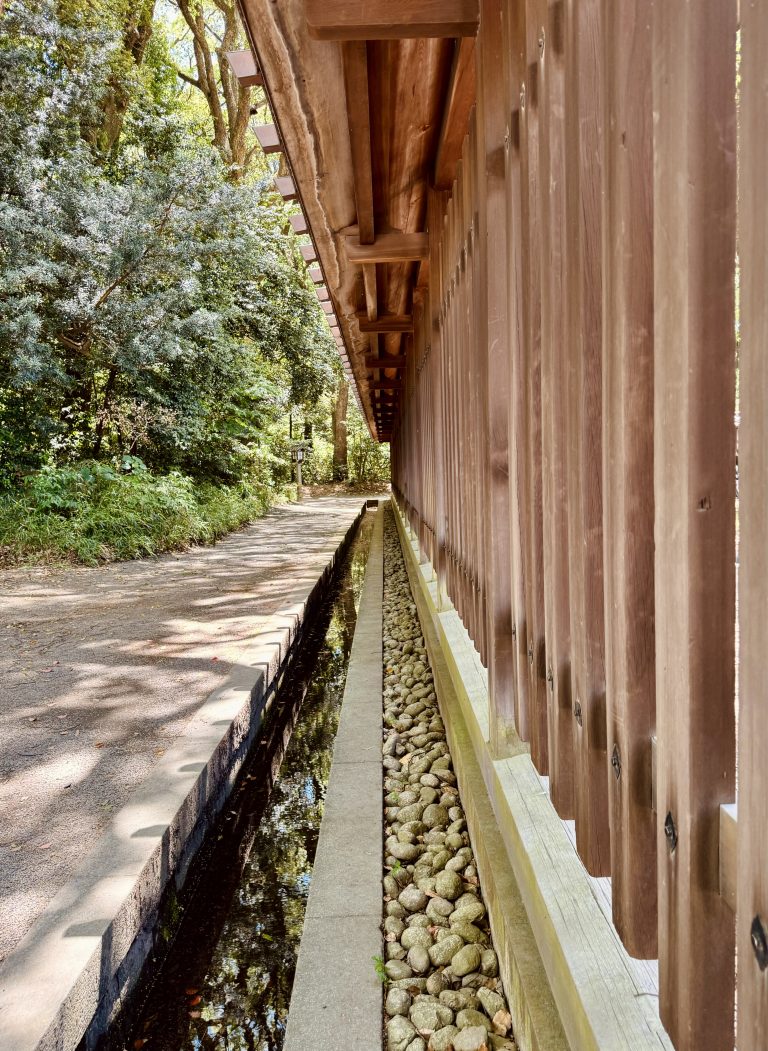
(461, 98)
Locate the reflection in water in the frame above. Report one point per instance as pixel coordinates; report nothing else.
(227, 981)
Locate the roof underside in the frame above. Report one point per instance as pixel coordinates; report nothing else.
(370, 117)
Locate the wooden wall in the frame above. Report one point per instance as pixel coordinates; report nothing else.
(566, 453)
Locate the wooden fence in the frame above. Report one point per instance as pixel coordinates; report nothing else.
(566, 453)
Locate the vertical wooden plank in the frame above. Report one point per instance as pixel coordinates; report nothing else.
(752, 910)
(585, 496)
(554, 408)
(513, 33)
(628, 423)
(494, 342)
(529, 133)
(694, 77)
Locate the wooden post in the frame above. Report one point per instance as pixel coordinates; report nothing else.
(752, 909)
(583, 112)
(531, 249)
(513, 28)
(554, 407)
(494, 334)
(628, 465)
(694, 77)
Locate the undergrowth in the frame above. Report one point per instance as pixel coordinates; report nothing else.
(94, 513)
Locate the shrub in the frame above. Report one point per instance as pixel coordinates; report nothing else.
(93, 513)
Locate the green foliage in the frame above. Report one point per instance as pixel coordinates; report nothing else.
(152, 310)
(95, 513)
(378, 966)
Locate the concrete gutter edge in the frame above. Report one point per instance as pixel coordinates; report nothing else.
(337, 999)
(82, 958)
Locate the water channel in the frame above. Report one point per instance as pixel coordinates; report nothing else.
(226, 980)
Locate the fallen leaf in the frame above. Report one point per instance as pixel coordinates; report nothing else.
(194, 1014)
(214, 658)
(190, 992)
(195, 1000)
(502, 1020)
(45, 846)
(159, 752)
(390, 937)
(99, 744)
(139, 1043)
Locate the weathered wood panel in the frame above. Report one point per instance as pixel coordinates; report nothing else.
(583, 129)
(628, 423)
(554, 408)
(494, 350)
(695, 455)
(531, 252)
(752, 910)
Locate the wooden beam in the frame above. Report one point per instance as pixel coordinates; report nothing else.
(269, 138)
(328, 308)
(299, 224)
(388, 248)
(323, 294)
(243, 65)
(308, 253)
(387, 323)
(391, 362)
(355, 59)
(316, 274)
(391, 19)
(385, 385)
(461, 98)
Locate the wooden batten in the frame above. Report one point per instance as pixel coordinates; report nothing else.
(316, 274)
(328, 308)
(269, 137)
(286, 187)
(391, 19)
(323, 294)
(299, 224)
(243, 65)
(308, 253)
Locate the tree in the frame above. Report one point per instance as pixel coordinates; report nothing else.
(339, 427)
(216, 28)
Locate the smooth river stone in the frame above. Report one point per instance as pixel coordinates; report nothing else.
(412, 898)
(398, 1002)
(400, 1032)
(448, 885)
(443, 952)
(466, 960)
(473, 1039)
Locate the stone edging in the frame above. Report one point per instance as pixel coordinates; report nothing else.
(336, 998)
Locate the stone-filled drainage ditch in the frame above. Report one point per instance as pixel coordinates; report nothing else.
(443, 991)
(225, 953)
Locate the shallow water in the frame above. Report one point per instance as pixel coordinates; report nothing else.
(226, 983)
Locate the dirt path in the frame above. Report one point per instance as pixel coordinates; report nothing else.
(101, 669)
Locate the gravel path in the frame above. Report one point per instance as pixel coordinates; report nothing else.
(101, 670)
(443, 990)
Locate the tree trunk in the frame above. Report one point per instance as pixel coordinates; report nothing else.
(114, 105)
(339, 421)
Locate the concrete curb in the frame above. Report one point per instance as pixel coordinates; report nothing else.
(80, 961)
(337, 998)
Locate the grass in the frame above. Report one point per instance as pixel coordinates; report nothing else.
(92, 514)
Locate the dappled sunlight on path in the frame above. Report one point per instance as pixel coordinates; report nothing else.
(102, 669)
